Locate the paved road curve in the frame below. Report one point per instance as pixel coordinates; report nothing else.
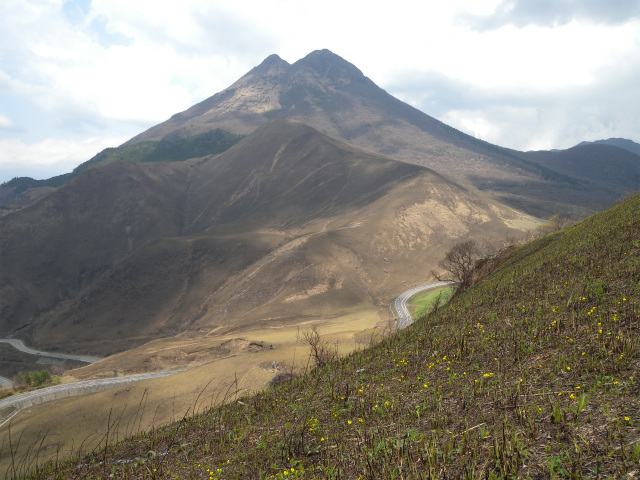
(404, 317)
(17, 344)
(77, 388)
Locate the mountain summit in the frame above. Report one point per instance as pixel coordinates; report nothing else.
(330, 94)
(315, 86)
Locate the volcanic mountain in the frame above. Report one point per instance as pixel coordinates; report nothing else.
(330, 94)
(288, 224)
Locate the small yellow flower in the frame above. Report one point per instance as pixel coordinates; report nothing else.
(349, 422)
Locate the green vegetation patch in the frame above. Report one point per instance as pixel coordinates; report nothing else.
(531, 373)
(29, 381)
(422, 303)
(169, 149)
(13, 361)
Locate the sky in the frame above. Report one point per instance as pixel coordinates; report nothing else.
(79, 76)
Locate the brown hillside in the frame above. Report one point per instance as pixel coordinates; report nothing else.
(607, 167)
(288, 224)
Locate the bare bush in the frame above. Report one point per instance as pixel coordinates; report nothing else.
(467, 263)
(555, 223)
(458, 264)
(626, 196)
(281, 377)
(321, 351)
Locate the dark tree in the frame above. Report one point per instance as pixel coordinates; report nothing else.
(458, 264)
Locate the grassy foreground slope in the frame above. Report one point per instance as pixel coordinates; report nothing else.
(530, 373)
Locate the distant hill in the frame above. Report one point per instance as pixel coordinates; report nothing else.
(623, 143)
(285, 225)
(604, 167)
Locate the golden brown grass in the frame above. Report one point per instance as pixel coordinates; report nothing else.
(216, 366)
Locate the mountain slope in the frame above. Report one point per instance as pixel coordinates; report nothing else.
(606, 166)
(287, 224)
(332, 95)
(327, 92)
(623, 143)
(169, 149)
(530, 373)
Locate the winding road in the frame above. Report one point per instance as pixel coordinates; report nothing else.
(404, 316)
(57, 391)
(77, 388)
(18, 345)
(43, 395)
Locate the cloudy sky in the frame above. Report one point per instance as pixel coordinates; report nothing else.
(78, 76)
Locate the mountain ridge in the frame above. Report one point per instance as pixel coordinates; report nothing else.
(287, 224)
(330, 94)
(623, 143)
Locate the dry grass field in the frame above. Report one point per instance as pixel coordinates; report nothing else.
(217, 368)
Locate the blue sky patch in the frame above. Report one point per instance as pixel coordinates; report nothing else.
(76, 10)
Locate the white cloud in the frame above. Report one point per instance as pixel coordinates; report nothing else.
(110, 68)
(52, 155)
(6, 122)
(548, 13)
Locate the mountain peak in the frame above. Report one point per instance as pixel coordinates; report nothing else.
(325, 62)
(272, 62)
(273, 59)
